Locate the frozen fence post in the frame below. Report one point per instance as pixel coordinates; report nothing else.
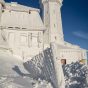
(58, 67)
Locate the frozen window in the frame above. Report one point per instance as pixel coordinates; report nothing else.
(54, 25)
(55, 38)
(39, 39)
(3, 11)
(63, 61)
(11, 39)
(29, 12)
(54, 11)
(34, 40)
(23, 39)
(29, 39)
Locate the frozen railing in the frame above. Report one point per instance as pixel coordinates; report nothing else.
(41, 66)
(46, 66)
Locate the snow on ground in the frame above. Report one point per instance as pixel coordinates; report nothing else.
(14, 75)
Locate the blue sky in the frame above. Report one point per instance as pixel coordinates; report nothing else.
(74, 19)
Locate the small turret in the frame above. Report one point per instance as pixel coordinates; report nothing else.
(2, 5)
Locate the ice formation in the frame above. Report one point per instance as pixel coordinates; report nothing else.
(75, 75)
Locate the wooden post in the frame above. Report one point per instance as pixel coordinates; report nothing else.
(58, 66)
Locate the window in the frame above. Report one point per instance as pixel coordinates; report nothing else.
(83, 61)
(3, 11)
(23, 40)
(34, 41)
(10, 27)
(54, 10)
(54, 25)
(55, 38)
(63, 61)
(47, 11)
(29, 39)
(39, 39)
(11, 39)
(29, 12)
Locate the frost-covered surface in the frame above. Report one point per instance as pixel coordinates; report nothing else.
(14, 75)
(15, 82)
(42, 84)
(20, 82)
(9, 63)
(38, 73)
(42, 66)
(75, 75)
(12, 72)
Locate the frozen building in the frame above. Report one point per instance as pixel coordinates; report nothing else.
(25, 34)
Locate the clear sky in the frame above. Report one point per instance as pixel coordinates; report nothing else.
(74, 19)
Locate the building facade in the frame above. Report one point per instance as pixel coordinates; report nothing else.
(25, 34)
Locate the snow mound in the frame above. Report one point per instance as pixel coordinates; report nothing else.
(42, 84)
(7, 64)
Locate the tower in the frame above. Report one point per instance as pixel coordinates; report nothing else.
(52, 21)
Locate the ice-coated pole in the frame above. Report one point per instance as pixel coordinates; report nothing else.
(57, 65)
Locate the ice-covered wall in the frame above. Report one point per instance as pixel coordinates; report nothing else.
(22, 33)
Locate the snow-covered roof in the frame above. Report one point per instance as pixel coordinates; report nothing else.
(67, 45)
(19, 16)
(18, 7)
